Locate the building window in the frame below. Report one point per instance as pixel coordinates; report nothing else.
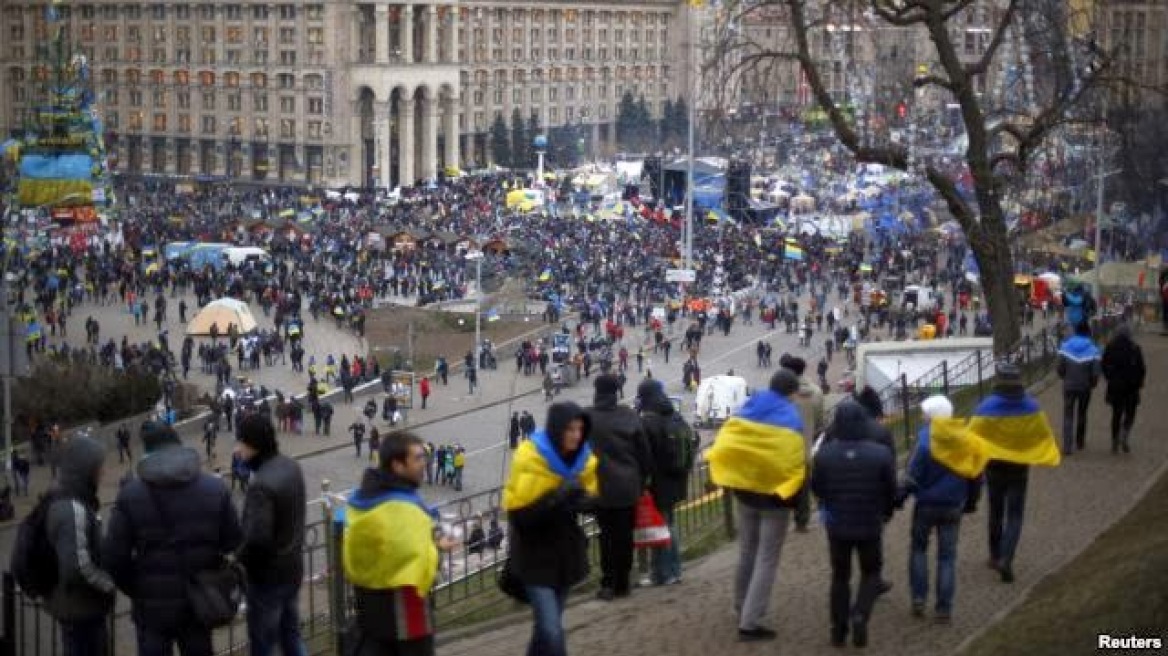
(259, 12)
(287, 128)
(233, 57)
(207, 34)
(287, 80)
(135, 98)
(288, 35)
(182, 12)
(516, 97)
(182, 99)
(111, 96)
(260, 57)
(314, 129)
(231, 79)
(234, 12)
(288, 57)
(553, 94)
(160, 122)
(158, 97)
(316, 106)
(314, 12)
(287, 12)
(208, 101)
(287, 104)
(316, 36)
(135, 123)
(184, 123)
(261, 127)
(260, 102)
(208, 125)
(234, 102)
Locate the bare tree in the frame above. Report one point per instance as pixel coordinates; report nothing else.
(1062, 68)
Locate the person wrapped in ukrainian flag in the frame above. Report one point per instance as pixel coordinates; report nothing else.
(759, 455)
(390, 552)
(553, 478)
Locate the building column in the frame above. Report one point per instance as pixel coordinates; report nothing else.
(407, 143)
(450, 130)
(354, 170)
(381, 33)
(407, 34)
(381, 142)
(431, 44)
(452, 36)
(430, 117)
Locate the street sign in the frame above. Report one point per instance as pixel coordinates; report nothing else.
(680, 275)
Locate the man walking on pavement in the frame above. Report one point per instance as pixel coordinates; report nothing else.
(1123, 366)
(1079, 367)
(809, 400)
(619, 443)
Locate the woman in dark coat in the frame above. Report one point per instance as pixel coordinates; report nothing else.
(1123, 367)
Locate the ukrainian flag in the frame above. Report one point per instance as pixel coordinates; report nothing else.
(389, 542)
(952, 445)
(1015, 430)
(538, 470)
(793, 252)
(761, 448)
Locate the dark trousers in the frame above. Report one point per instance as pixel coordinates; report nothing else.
(85, 637)
(1007, 495)
(190, 640)
(803, 507)
(1075, 419)
(616, 547)
(842, 608)
(371, 647)
(1123, 415)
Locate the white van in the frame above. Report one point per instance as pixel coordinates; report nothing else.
(239, 255)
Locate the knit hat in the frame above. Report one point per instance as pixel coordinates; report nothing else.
(937, 407)
(649, 389)
(156, 435)
(257, 431)
(607, 385)
(870, 400)
(784, 382)
(1009, 379)
(795, 363)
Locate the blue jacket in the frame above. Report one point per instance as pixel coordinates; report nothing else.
(933, 484)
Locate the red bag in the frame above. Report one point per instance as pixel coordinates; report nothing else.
(650, 529)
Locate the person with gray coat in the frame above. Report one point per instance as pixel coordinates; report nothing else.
(1079, 367)
(84, 594)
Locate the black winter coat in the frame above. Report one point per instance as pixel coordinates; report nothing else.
(620, 445)
(547, 546)
(668, 489)
(854, 477)
(1123, 367)
(148, 555)
(273, 521)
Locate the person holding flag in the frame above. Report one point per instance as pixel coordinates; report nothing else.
(760, 456)
(553, 478)
(391, 552)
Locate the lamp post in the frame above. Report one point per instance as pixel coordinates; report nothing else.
(540, 142)
(477, 257)
(1097, 281)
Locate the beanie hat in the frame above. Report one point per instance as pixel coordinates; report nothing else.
(937, 407)
(607, 385)
(649, 389)
(870, 400)
(257, 431)
(156, 435)
(784, 382)
(795, 363)
(1009, 379)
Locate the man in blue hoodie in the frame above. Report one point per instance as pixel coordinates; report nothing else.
(1079, 366)
(941, 498)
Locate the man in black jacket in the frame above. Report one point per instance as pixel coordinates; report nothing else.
(169, 521)
(669, 481)
(854, 478)
(625, 467)
(273, 540)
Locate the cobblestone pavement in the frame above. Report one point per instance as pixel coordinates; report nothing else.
(1067, 508)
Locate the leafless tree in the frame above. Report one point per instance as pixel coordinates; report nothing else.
(1064, 69)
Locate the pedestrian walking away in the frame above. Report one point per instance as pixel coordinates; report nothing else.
(1079, 368)
(1123, 367)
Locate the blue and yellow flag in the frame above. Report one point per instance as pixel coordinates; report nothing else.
(1015, 430)
(793, 252)
(952, 445)
(761, 448)
(389, 542)
(538, 469)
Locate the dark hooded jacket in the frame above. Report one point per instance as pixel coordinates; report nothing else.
(620, 445)
(84, 590)
(273, 520)
(656, 413)
(854, 477)
(1123, 367)
(548, 547)
(150, 550)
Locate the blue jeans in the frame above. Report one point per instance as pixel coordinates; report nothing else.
(547, 609)
(85, 637)
(667, 560)
(273, 618)
(947, 522)
(1007, 509)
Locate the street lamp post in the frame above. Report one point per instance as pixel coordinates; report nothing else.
(1097, 282)
(477, 257)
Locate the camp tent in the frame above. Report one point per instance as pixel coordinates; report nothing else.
(223, 312)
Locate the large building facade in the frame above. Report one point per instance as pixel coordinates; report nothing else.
(338, 92)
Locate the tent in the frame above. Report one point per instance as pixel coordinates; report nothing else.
(223, 312)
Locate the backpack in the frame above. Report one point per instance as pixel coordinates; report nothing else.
(34, 558)
(679, 447)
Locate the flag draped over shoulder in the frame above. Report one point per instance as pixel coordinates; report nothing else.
(538, 469)
(389, 542)
(1015, 430)
(959, 450)
(761, 448)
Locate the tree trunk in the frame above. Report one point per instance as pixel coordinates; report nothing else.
(991, 247)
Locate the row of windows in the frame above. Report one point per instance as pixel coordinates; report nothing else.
(207, 35)
(161, 12)
(232, 102)
(208, 124)
(571, 74)
(553, 94)
(110, 78)
(553, 35)
(570, 16)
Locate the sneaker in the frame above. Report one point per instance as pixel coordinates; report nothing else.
(606, 594)
(918, 609)
(645, 582)
(673, 580)
(839, 636)
(757, 634)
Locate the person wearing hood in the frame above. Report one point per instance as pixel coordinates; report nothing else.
(390, 553)
(169, 521)
(941, 498)
(670, 481)
(1123, 367)
(626, 465)
(84, 594)
(552, 480)
(1078, 306)
(1079, 367)
(854, 478)
(273, 540)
